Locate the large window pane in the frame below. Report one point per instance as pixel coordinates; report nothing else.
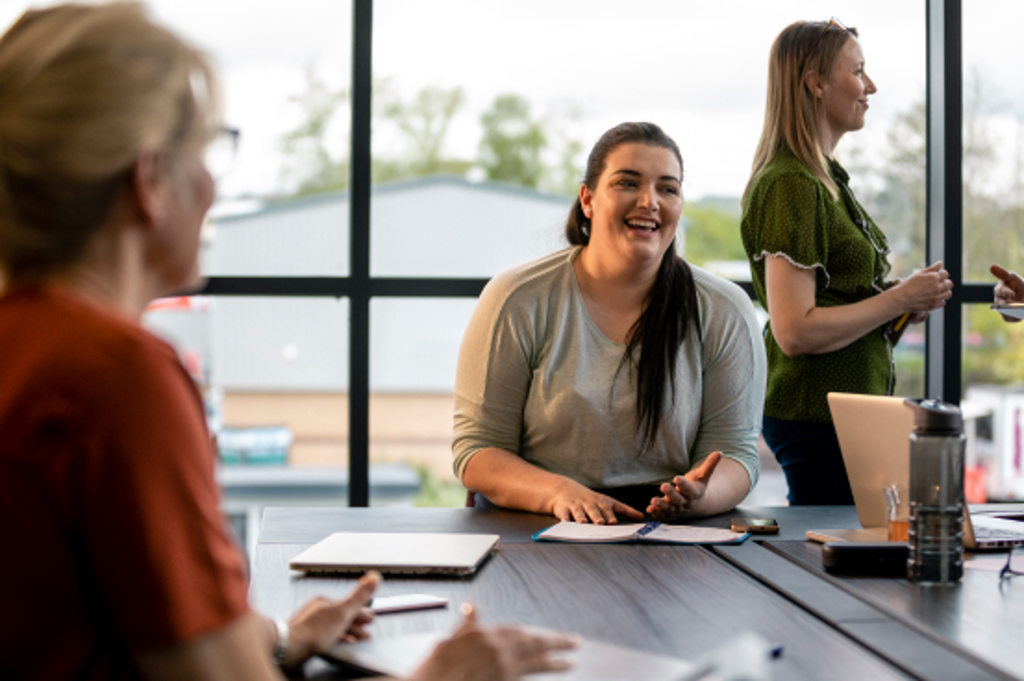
(276, 368)
(993, 132)
(516, 94)
(449, 227)
(282, 206)
(300, 236)
(993, 213)
(993, 404)
(415, 344)
(285, 73)
(267, 362)
(273, 373)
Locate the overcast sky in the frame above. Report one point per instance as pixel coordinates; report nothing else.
(696, 68)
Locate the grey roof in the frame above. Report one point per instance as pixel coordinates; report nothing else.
(431, 227)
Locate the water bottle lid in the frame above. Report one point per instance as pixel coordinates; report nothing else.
(935, 415)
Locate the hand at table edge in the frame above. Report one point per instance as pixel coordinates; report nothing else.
(497, 653)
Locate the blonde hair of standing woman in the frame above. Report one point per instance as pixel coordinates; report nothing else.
(84, 90)
(791, 111)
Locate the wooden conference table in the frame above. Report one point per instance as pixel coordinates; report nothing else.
(681, 601)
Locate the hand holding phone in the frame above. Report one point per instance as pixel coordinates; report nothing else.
(756, 525)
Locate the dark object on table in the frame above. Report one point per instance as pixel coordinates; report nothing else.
(874, 559)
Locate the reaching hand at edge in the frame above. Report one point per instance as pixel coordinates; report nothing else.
(502, 653)
(322, 622)
(1009, 289)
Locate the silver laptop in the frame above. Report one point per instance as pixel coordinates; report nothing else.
(873, 434)
(419, 553)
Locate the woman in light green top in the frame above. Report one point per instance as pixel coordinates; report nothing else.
(818, 261)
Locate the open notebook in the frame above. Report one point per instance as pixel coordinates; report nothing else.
(655, 532)
(874, 434)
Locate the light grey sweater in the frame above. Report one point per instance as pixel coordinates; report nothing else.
(536, 377)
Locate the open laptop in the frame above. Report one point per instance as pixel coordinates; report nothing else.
(418, 553)
(874, 434)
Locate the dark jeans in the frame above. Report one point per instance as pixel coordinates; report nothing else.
(810, 458)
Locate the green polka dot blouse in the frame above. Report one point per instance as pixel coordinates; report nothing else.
(788, 212)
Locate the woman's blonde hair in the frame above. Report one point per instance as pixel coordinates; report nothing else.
(84, 90)
(791, 111)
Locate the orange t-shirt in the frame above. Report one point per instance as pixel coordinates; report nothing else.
(113, 539)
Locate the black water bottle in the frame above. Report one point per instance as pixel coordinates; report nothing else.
(936, 493)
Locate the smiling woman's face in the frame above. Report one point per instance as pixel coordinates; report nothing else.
(635, 205)
(845, 93)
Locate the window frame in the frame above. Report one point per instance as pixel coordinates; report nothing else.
(944, 227)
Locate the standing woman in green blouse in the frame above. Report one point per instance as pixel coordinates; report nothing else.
(818, 261)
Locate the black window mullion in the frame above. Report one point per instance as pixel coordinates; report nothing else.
(337, 287)
(976, 293)
(944, 221)
(359, 220)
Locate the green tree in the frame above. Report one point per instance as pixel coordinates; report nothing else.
(410, 137)
(422, 125)
(567, 175)
(712, 231)
(899, 205)
(993, 219)
(984, 229)
(992, 351)
(893, 192)
(565, 172)
(903, 198)
(512, 143)
(305, 149)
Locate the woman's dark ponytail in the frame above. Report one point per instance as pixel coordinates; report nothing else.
(670, 309)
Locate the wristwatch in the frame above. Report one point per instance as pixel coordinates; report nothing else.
(281, 645)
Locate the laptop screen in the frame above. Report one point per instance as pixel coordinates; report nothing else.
(874, 436)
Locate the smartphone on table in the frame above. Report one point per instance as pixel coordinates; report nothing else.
(757, 525)
(405, 602)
